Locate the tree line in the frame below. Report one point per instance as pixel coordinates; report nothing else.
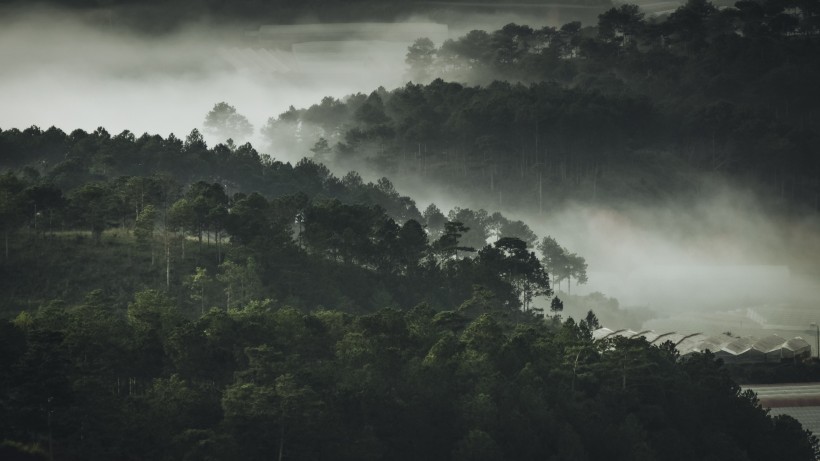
(263, 247)
(369, 246)
(631, 108)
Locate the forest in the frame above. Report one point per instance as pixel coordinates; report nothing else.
(147, 318)
(289, 225)
(633, 109)
(167, 299)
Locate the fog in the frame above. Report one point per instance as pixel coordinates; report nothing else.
(76, 70)
(723, 253)
(61, 70)
(724, 261)
(721, 263)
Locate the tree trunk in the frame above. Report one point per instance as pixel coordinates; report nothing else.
(281, 440)
(50, 437)
(218, 249)
(574, 370)
(167, 262)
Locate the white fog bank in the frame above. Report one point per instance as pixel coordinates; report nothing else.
(59, 70)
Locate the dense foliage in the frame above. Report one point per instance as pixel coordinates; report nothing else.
(271, 382)
(78, 216)
(120, 354)
(633, 108)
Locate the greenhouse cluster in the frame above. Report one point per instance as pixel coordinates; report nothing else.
(732, 349)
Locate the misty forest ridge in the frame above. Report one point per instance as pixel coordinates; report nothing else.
(441, 230)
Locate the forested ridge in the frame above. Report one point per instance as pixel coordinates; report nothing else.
(156, 319)
(167, 209)
(633, 108)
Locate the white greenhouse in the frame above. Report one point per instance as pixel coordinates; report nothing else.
(731, 349)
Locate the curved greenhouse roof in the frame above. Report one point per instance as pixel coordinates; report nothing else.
(771, 348)
(770, 343)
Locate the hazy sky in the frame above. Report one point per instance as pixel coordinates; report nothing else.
(60, 71)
